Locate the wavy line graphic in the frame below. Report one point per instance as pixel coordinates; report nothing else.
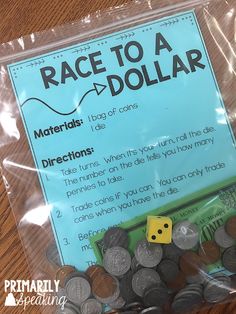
(98, 88)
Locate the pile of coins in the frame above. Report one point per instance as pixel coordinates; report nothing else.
(157, 279)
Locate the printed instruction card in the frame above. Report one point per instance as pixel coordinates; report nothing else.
(122, 125)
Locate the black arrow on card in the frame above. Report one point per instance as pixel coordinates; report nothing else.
(98, 88)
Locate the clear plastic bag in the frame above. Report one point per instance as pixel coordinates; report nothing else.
(126, 114)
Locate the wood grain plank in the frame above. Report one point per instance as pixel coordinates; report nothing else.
(17, 18)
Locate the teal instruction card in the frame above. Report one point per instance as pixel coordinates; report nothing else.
(121, 125)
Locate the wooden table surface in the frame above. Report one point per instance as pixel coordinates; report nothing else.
(17, 18)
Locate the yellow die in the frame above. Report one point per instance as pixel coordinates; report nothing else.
(159, 229)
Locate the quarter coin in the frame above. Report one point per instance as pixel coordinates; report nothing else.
(117, 261)
(185, 235)
(78, 290)
(143, 279)
(148, 254)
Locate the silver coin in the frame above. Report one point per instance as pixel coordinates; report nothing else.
(91, 306)
(172, 252)
(216, 291)
(168, 270)
(222, 238)
(126, 289)
(200, 278)
(156, 296)
(118, 303)
(143, 279)
(117, 261)
(73, 275)
(52, 255)
(191, 289)
(78, 290)
(187, 304)
(148, 254)
(116, 236)
(224, 279)
(185, 235)
(229, 259)
(188, 298)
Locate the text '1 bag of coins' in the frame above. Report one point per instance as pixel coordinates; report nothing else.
(118, 153)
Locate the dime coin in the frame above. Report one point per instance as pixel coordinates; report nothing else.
(91, 306)
(222, 238)
(209, 252)
(63, 273)
(116, 236)
(148, 254)
(168, 270)
(185, 235)
(105, 288)
(190, 263)
(229, 259)
(78, 290)
(117, 261)
(230, 227)
(143, 279)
